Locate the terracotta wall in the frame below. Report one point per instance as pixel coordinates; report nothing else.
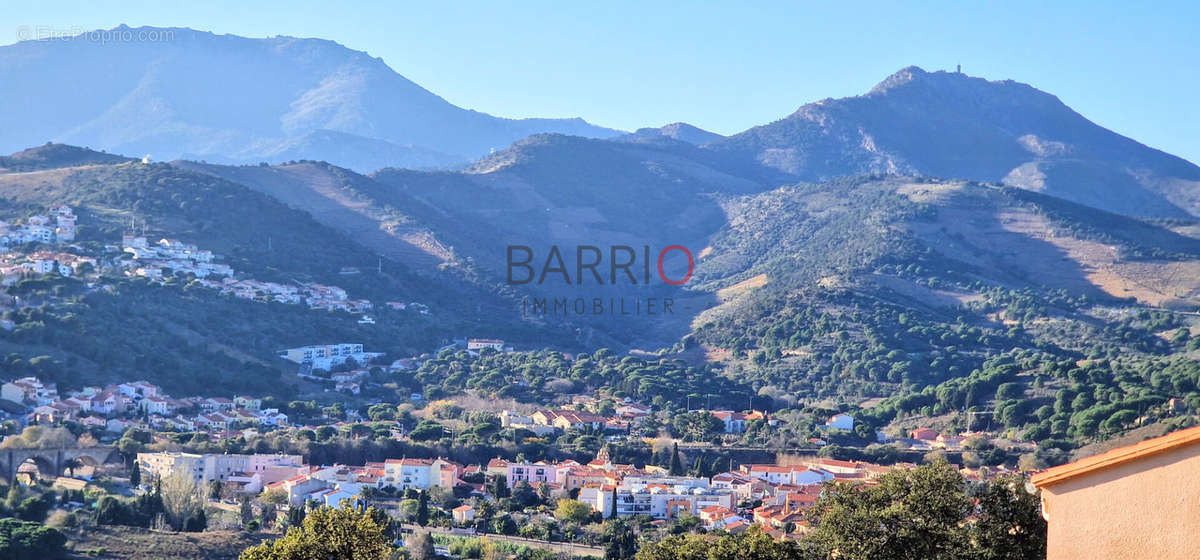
(1146, 508)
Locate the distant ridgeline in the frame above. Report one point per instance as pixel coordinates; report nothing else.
(941, 244)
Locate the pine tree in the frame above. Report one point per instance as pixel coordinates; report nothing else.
(622, 543)
(196, 523)
(676, 468)
(329, 533)
(135, 475)
(499, 487)
(717, 465)
(422, 508)
(246, 510)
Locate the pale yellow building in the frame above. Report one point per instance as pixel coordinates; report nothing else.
(1140, 501)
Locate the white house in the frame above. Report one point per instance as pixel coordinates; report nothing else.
(333, 497)
(156, 405)
(408, 473)
(477, 344)
(108, 401)
(804, 476)
(735, 422)
(840, 422)
(463, 514)
(251, 403)
(773, 474)
(28, 390)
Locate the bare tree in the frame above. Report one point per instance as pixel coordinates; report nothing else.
(420, 546)
(181, 497)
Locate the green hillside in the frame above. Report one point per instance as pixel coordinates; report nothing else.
(191, 339)
(945, 297)
(54, 156)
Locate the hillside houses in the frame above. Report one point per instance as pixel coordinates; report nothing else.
(784, 492)
(774, 496)
(15, 266)
(115, 403)
(151, 259)
(509, 419)
(720, 517)
(569, 420)
(549, 421)
(29, 390)
(656, 495)
(926, 439)
(322, 483)
(58, 227)
(797, 475)
(173, 255)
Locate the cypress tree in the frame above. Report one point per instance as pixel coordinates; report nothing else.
(422, 508)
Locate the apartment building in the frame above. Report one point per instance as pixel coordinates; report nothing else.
(207, 467)
(659, 501)
(328, 355)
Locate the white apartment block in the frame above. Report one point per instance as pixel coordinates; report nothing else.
(477, 344)
(327, 356)
(419, 474)
(208, 467)
(798, 475)
(531, 473)
(660, 501)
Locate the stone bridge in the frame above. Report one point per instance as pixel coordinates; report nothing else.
(53, 462)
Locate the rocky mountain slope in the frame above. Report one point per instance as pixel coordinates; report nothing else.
(948, 124)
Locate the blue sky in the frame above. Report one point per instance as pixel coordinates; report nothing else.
(723, 66)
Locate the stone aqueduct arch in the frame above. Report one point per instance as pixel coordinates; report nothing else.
(12, 459)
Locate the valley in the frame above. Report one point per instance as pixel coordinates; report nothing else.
(308, 287)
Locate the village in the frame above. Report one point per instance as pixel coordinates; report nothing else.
(174, 256)
(57, 229)
(138, 256)
(773, 495)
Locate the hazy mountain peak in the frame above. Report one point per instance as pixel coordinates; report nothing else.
(236, 99)
(902, 76)
(679, 131)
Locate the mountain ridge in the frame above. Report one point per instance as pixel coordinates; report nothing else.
(236, 99)
(948, 124)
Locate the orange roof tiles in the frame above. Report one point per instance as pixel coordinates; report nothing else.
(1190, 436)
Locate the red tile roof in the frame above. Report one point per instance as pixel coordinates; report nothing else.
(1121, 455)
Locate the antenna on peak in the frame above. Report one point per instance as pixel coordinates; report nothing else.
(959, 70)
